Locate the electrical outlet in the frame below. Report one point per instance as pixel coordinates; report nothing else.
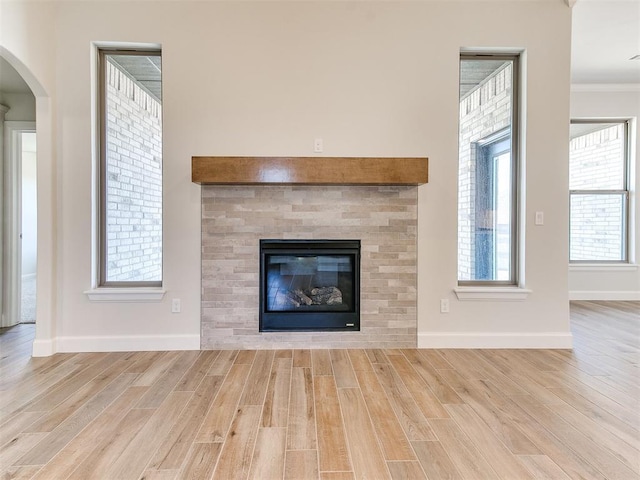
(317, 145)
(444, 305)
(175, 305)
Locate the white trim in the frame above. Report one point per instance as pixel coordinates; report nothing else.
(605, 87)
(603, 267)
(43, 348)
(125, 294)
(495, 340)
(492, 293)
(129, 343)
(12, 219)
(613, 295)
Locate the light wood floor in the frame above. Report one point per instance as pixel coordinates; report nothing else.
(329, 414)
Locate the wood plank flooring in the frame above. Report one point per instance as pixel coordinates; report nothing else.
(329, 414)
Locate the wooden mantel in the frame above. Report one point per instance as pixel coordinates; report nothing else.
(309, 170)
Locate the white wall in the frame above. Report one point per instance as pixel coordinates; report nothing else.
(592, 282)
(254, 78)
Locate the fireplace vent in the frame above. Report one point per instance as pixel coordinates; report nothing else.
(309, 285)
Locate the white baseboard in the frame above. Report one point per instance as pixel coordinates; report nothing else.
(43, 348)
(128, 343)
(562, 340)
(620, 295)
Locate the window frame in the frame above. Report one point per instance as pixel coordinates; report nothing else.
(624, 192)
(101, 270)
(515, 279)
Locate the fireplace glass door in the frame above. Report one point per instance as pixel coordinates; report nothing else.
(309, 285)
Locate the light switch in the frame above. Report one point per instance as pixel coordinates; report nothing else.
(539, 218)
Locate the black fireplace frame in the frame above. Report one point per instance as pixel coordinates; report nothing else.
(307, 321)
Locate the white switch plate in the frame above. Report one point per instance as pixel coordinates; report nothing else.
(175, 305)
(317, 145)
(444, 305)
(539, 218)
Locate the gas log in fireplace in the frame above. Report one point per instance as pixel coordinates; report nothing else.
(309, 285)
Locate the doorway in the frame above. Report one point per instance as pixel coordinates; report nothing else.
(20, 212)
(29, 228)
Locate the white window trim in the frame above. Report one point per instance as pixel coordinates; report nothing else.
(126, 295)
(603, 267)
(489, 293)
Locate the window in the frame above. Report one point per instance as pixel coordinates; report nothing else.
(488, 170)
(599, 191)
(130, 225)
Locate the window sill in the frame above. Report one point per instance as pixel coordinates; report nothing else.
(603, 267)
(512, 294)
(131, 295)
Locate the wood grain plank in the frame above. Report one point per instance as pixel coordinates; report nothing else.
(57, 395)
(337, 476)
(302, 358)
(19, 473)
(156, 369)
(302, 420)
(177, 442)
(419, 390)
(67, 430)
(394, 443)
(435, 462)
(192, 378)
(588, 449)
(218, 419)
(75, 401)
(485, 404)
(159, 475)
(413, 423)
(461, 450)
(105, 426)
(332, 445)
(201, 461)
(366, 457)
(502, 460)
(256, 386)
(321, 361)
(301, 465)
(109, 448)
(542, 467)
(133, 460)
(359, 360)
(275, 410)
(303, 170)
(406, 470)
(342, 369)
(269, 455)
(18, 447)
(161, 388)
(235, 457)
(434, 380)
(223, 362)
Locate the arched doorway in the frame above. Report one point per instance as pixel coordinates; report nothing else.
(25, 116)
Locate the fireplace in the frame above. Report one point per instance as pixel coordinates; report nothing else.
(309, 285)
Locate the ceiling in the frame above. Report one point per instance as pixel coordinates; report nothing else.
(145, 70)
(606, 34)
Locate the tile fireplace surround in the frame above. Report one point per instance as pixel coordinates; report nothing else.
(235, 218)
